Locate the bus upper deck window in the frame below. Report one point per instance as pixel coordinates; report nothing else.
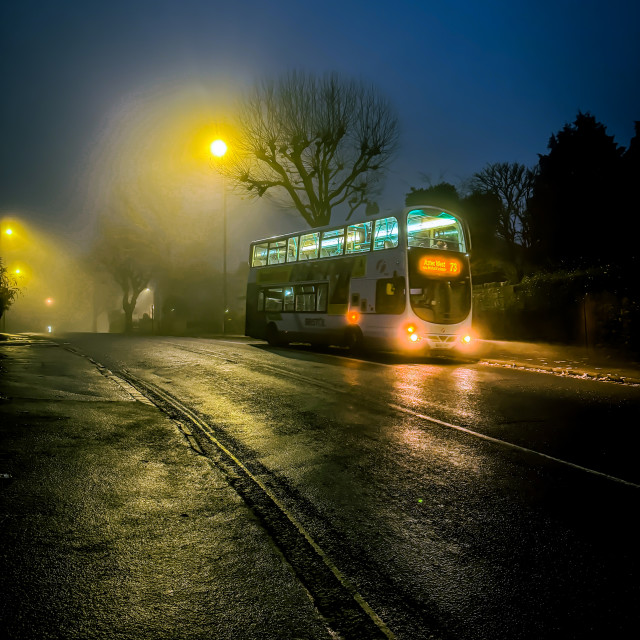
(386, 234)
(359, 237)
(260, 254)
(292, 249)
(332, 243)
(277, 251)
(433, 229)
(308, 246)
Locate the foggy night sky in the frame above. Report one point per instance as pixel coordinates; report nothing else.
(472, 82)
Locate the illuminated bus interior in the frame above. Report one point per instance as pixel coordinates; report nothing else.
(429, 231)
(347, 240)
(304, 298)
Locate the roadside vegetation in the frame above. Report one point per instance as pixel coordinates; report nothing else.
(9, 289)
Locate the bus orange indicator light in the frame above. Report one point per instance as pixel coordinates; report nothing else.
(412, 332)
(440, 266)
(353, 317)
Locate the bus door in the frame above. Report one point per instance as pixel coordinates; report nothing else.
(256, 317)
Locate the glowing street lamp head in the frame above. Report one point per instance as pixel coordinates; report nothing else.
(218, 148)
(8, 231)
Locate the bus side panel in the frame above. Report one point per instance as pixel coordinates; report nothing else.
(255, 321)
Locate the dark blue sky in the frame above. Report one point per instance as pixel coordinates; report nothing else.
(473, 82)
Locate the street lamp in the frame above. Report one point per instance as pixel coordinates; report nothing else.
(218, 149)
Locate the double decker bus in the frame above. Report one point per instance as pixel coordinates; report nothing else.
(399, 283)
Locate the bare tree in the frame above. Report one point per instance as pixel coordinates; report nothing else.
(129, 254)
(312, 143)
(512, 183)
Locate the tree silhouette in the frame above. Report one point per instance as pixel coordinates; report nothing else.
(443, 194)
(512, 184)
(129, 254)
(312, 143)
(631, 172)
(576, 213)
(9, 289)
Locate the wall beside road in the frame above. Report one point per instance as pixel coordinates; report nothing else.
(569, 308)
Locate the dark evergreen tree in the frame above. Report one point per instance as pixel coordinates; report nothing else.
(443, 195)
(577, 217)
(631, 168)
(482, 213)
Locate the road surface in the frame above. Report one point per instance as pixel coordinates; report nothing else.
(449, 499)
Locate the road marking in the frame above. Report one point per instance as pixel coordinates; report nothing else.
(449, 425)
(209, 432)
(510, 445)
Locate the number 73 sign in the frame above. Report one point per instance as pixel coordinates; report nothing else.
(440, 266)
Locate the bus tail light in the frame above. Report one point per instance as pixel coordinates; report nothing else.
(353, 317)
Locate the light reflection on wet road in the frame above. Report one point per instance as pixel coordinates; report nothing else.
(437, 528)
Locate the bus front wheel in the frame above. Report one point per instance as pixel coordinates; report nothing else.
(353, 339)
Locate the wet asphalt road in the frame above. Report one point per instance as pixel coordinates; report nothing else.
(462, 501)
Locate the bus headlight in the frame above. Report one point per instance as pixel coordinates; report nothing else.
(467, 340)
(412, 333)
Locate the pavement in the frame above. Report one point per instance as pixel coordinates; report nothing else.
(114, 526)
(582, 362)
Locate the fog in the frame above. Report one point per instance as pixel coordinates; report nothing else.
(151, 174)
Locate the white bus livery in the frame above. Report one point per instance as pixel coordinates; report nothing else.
(399, 283)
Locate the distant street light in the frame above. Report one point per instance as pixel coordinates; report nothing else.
(218, 149)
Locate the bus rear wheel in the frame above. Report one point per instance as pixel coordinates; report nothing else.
(274, 337)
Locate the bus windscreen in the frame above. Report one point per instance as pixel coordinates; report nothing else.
(431, 230)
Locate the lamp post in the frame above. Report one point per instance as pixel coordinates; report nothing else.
(218, 149)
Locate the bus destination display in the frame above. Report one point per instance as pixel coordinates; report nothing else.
(440, 265)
